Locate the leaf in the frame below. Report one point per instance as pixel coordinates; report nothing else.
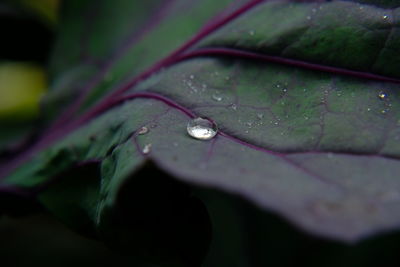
(307, 111)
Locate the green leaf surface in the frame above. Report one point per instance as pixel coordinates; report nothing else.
(306, 105)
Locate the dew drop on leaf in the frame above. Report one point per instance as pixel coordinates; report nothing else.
(216, 97)
(146, 149)
(382, 95)
(201, 129)
(143, 130)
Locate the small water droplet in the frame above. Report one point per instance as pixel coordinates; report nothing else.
(284, 90)
(382, 95)
(143, 130)
(217, 97)
(368, 109)
(146, 149)
(201, 129)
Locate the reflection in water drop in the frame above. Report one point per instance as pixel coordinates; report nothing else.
(201, 129)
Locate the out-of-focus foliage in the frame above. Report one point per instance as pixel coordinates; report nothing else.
(21, 87)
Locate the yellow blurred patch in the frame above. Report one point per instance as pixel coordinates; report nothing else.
(21, 87)
(45, 9)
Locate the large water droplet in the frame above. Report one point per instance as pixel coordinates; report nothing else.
(201, 129)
